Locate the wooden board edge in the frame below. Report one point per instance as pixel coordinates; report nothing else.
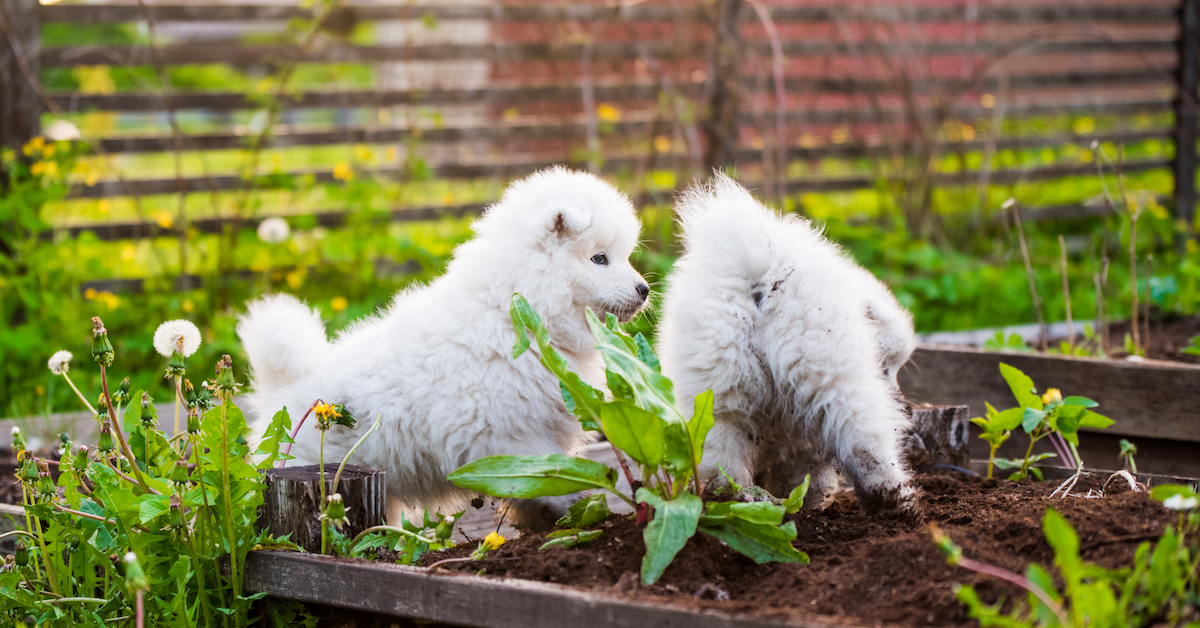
(477, 601)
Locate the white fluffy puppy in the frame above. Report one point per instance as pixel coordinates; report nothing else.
(438, 363)
(800, 346)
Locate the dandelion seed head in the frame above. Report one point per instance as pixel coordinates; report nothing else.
(130, 557)
(60, 362)
(177, 335)
(274, 230)
(15, 430)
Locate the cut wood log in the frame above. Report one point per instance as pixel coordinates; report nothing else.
(939, 436)
(292, 501)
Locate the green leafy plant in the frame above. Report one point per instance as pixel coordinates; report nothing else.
(183, 521)
(1011, 342)
(642, 422)
(1161, 587)
(1040, 416)
(1193, 347)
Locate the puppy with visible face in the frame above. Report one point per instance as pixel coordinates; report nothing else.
(437, 364)
(800, 346)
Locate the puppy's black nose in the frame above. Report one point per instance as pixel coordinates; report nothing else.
(643, 291)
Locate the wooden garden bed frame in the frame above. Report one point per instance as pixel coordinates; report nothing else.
(1156, 404)
(476, 601)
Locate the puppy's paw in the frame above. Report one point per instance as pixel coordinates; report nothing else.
(896, 502)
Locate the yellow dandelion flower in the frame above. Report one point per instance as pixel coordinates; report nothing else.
(338, 303)
(1085, 156)
(839, 136)
(1083, 126)
(510, 114)
(608, 113)
(48, 151)
(295, 279)
(988, 101)
(662, 144)
(188, 306)
(104, 206)
(37, 169)
(164, 220)
(968, 132)
(809, 141)
(326, 411)
(128, 253)
(392, 155)
(1053, 395)
(364, 154)
(448, 198)
(343, 172)
(1192, 247)
(493, 540)
(35, 144)
(90, 294)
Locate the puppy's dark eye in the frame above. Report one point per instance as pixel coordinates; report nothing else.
(600, 259)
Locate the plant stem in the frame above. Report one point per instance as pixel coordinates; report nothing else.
(67, 600)
(1062, 250)
(1037, 302)
(175, 402)
(287, 448)
(401, 531)
(991, 460)
(26, 502)
(203, 590)
(337, 477)
(85, 515)
(1024, 583)
(116, 428)
(321, 508)
(77, 393)
(228, 493)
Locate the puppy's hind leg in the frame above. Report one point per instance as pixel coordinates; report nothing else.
(866, 431)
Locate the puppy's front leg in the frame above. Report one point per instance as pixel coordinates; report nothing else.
(867, 447)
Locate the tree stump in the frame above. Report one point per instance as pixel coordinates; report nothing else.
(292, 502)
(939, 436)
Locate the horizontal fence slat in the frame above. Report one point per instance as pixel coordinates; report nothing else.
(248, 55)
(611, 90)
(113, 12)
(516, 167)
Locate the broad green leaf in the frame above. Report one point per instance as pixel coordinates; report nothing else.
(1021, 386)
(754, 512)
(1008, 419)
(1095, 421)
(645, 353)
(673, 524)
(533, 476)
(1015, 463)
(278, 433)
(795, 501)
(1065, 542)
(588, 511)
(1164, 491)
(701, 422)
(1038, 577)
(583, 401)
(634, 431)
(1031, 418)
(133, 412)
(761, 543)
(652, 392)
(153, 506)
(570, 538)
(1079, 401)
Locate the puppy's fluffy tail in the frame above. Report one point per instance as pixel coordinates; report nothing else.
(284, 339)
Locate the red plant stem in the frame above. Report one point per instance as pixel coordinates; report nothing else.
(116, 428)
(1062, 451)
(624, 467)
(141, 614)
(1020, 581)
(287, 449)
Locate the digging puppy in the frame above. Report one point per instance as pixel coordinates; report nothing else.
(800, 346)
(437, 364)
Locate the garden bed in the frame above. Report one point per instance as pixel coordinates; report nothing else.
(862, 571)
(1153, 402)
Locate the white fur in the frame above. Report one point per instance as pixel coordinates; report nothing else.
(438, 363)
(804, 377)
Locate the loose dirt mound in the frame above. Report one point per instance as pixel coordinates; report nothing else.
(862, 571)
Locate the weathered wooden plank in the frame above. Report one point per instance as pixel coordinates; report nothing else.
(115, 12)
(1150, 398)
(474, 601)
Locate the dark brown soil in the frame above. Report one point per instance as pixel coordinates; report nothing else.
(1166, 339)
(862, 571)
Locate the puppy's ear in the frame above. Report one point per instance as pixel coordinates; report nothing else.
(565, 221)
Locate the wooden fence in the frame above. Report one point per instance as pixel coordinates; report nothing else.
(760, 87)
